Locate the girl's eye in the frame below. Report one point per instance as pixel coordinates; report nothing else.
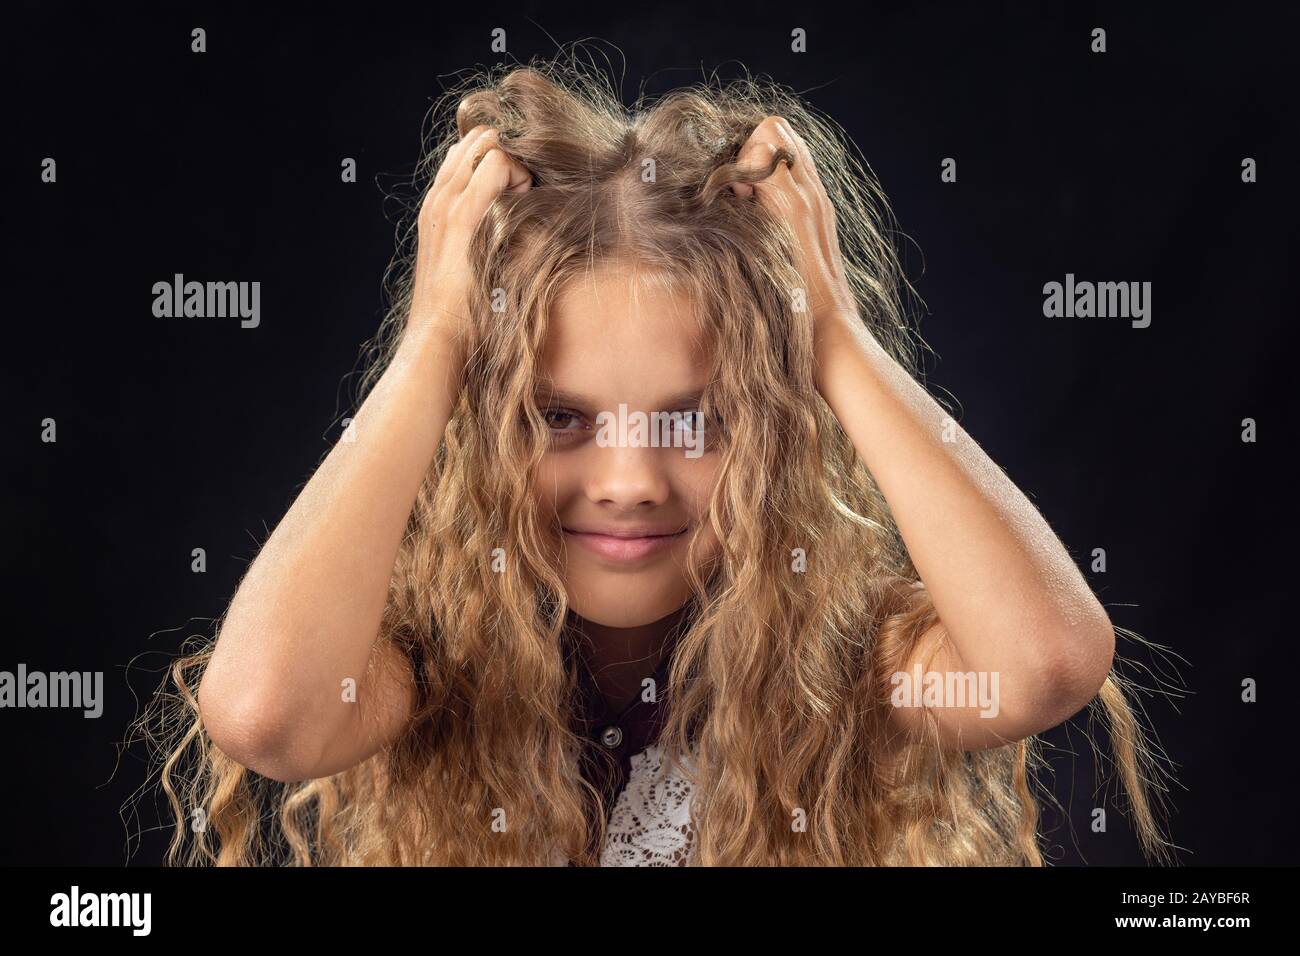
(697, 428)
(558, 419)
(693, 420)
(697, 420)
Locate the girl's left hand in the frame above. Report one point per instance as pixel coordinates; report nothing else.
(798, 196)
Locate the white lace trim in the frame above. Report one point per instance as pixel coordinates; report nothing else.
(651, 823)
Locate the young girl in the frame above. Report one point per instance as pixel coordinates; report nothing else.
(811, 624)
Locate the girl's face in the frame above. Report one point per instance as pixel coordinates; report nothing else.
(626, 503)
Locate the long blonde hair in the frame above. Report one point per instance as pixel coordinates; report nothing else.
(780, 686)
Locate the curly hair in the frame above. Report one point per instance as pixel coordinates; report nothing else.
(780, 687)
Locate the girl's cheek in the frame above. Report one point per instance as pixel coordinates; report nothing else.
(696, 487)
(697, 484)
(548, 483)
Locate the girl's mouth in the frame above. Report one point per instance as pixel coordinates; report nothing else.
(624, 545)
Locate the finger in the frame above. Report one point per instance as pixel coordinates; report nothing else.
(518, 177)
(802, 172)
(779, 192)
(780, 178)
(780, 196)
(805, 173)
(497, 173)
(745, 161)
(451, 164)
(795, 141)
(757, 152)
(451, 161)
(483, 140)
(521, 179)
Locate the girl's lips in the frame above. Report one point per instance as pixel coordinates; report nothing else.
(623, 548)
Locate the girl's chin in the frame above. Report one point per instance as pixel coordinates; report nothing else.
(618, 618)
(623, 613)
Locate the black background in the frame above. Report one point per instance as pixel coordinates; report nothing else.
(182, 433)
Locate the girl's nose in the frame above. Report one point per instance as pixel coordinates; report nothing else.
(628, 477)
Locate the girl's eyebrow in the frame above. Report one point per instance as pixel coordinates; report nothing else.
(546, 391)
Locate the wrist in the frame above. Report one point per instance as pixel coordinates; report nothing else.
(430, 347)
(835, 333)
(840, 342)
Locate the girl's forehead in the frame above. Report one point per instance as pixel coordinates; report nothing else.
(618, 289)
(605, 371)
(622, 321)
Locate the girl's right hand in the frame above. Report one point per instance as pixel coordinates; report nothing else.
(471, 177)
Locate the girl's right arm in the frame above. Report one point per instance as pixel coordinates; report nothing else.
(307, 614)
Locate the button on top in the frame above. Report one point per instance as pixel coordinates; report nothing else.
(611, 737)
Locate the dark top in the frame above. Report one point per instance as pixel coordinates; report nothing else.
(612, 740)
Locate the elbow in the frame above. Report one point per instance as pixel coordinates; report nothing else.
(1080, 664)
(245, 728)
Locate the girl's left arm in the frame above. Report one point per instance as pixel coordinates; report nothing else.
(1013, 604)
